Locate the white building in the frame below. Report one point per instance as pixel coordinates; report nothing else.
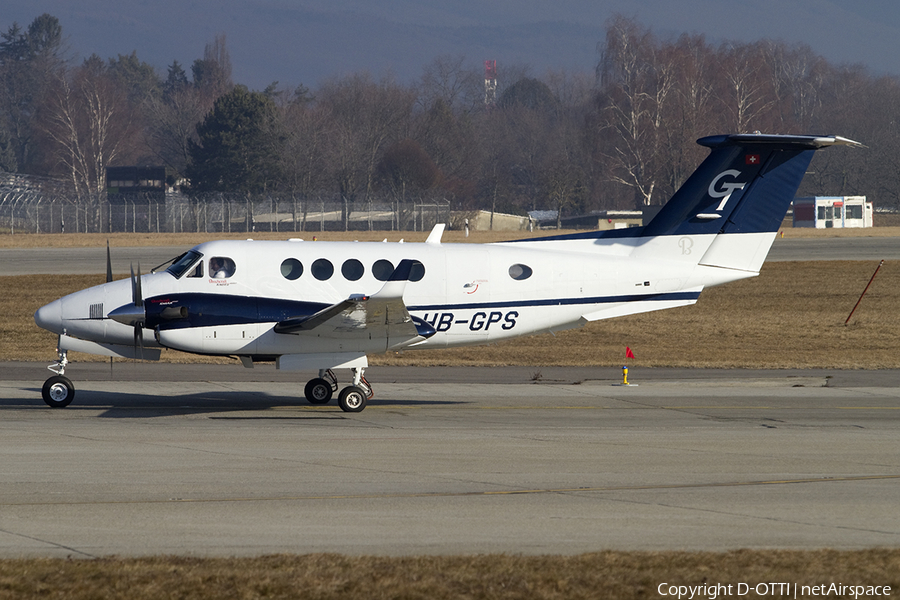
(825, 212)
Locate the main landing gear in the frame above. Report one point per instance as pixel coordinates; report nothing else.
(58, 391)
(352, 398)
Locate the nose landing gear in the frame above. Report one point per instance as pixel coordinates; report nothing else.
(58, 391)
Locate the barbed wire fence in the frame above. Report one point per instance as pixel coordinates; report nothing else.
(27, 211)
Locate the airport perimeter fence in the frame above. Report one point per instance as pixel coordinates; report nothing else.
(30, 212)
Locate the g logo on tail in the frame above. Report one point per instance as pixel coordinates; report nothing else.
(727, 188)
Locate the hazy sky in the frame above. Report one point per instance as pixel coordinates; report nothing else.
(307, 41)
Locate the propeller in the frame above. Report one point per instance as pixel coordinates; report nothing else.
(133, 314)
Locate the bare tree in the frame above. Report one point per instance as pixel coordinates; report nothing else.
(747, 88)
(637, 81)
(304, 129)
(89, 123)
(691, 114)
(171, 124)
(448, 80)
(798, 76)
(212, 73)
(365, 117)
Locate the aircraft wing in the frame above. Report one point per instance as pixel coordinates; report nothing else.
(382, 315)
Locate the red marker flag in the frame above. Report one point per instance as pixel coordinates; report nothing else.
(628, 352)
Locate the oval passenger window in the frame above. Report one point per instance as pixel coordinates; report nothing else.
(352, 269)
(291, 269)
(520, 272)
(322, 269)
(417, 272)
(382, 269)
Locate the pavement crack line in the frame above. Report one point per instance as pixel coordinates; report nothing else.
(48, 542)
(485, 493)
(756, 517)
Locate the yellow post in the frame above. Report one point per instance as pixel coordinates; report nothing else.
(625, 375)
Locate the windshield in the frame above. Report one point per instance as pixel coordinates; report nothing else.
(181, 265)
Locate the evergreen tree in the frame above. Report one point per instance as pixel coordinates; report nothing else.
(139, 79)
(29, 60)
(237, 149)
(529, 93)
(176, 81)
(7, 152)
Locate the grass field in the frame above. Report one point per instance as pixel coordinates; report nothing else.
(612, 575)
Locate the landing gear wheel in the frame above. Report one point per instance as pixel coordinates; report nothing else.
(352, 399)
(318, 391)
(58, 391)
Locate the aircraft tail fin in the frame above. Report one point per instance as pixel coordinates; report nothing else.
(729, 210)
(745, 185)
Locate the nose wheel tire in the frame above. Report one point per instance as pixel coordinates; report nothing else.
(318, 391)
(58, 392)
(352, 399)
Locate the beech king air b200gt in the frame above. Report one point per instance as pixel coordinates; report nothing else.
(327, 305)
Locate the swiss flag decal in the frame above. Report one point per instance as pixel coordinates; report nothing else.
(752, 159)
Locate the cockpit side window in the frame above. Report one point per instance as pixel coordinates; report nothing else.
(185, 262)
(221, 267)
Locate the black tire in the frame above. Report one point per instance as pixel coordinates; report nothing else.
(352, 399)
(318, 391)
(58, 392)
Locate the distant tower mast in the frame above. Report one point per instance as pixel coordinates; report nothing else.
(490, 82)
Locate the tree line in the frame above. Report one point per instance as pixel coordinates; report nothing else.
(621, 137)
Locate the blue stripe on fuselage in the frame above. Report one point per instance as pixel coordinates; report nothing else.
(209, 310)
(562, 301)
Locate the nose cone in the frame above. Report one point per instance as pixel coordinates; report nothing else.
(49, 317)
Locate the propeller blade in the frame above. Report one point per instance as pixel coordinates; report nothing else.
(139, 339)
(108, 264)
(137, 297)
(139, 300)
(133, 287)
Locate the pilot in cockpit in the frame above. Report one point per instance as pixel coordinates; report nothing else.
(221, 267)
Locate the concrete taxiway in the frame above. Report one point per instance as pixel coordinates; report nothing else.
(218, 460)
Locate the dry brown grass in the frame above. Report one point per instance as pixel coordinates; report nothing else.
(791, 316)
(615, 575)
